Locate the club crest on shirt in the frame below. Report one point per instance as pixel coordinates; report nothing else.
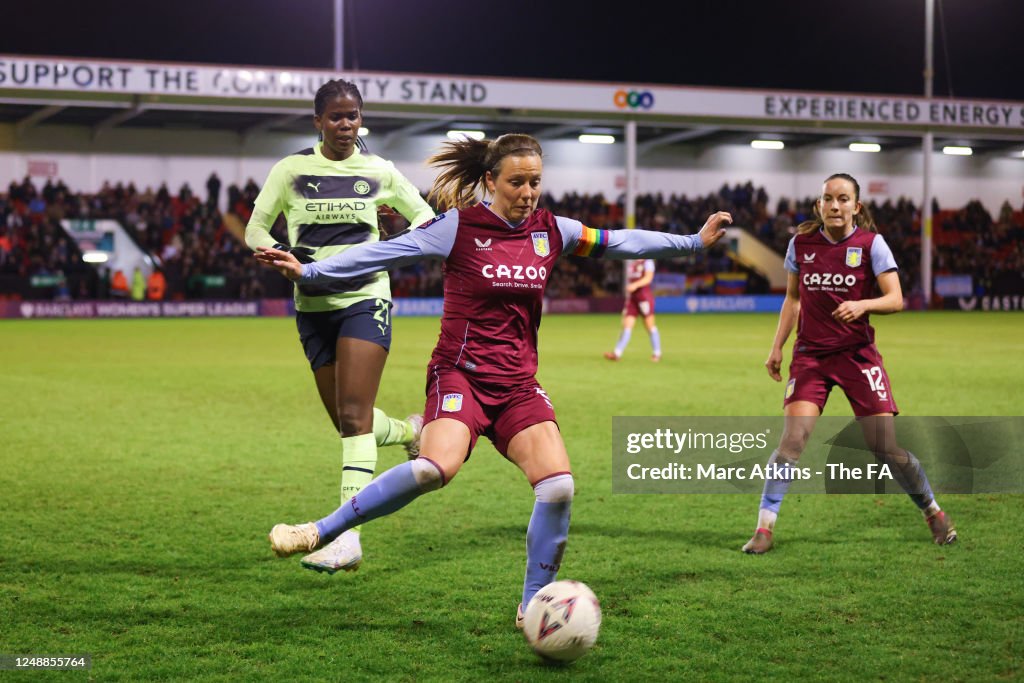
(854, 256)
(451, 403)
(541, 246)
(361, 187)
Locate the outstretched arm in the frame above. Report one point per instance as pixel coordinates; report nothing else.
(359, 260)
(433, 240)
(620, 244)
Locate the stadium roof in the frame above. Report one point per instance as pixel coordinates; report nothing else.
(101, 95)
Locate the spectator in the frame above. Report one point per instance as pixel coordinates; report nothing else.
(213, 190)
(138, 285)
(156, 286)
(119, 285)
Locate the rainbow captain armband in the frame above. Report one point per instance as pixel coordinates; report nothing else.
(592, 243)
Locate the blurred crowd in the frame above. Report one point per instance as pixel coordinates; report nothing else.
(188, 239)
(197, 250)
(970, 241)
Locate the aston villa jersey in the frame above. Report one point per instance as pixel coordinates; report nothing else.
(635, 270)
(495, 274)
(494, 280)
(831, 273)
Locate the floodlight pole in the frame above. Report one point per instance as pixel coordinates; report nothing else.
(630, 204)
(339, 36)
(927, 145)
(630, 208)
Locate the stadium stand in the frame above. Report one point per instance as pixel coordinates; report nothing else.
(200, 253)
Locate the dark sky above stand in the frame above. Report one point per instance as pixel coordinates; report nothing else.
(860, 46)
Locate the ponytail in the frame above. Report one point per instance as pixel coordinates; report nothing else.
(864, 220)
(464, 165)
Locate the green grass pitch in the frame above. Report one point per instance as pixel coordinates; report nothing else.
(142, 464)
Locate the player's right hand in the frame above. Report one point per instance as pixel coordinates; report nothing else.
(714, 228)
(281, 261)
(774, 364)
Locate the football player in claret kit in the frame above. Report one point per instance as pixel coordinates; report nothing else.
(330, 194)
(639, 302)
(481, 377)
(834, 263)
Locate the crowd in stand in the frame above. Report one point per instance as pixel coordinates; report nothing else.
(187, 238)
(991, 251)
(33, 245)
(198, 251)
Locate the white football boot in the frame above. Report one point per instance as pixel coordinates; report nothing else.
(344, 553)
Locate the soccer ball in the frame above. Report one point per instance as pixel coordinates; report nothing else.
(562, 620)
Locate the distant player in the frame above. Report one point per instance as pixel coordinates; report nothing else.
(481, 379)
(329, 195)
(639, 301)
(834, 263)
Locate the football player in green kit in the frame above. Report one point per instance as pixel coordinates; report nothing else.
(329, 195)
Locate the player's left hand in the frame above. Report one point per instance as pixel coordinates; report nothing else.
(714, 228)
(848, 311)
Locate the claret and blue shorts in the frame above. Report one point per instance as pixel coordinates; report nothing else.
(858, 372)
(498, 411)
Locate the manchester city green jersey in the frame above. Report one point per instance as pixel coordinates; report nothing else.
(331, 206)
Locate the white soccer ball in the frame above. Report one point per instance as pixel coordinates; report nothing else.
(562, 620)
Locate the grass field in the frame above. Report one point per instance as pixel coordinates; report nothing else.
(143, 463)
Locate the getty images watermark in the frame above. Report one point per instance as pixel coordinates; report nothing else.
(841, 455)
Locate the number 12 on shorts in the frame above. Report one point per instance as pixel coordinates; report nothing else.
(874, 375)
